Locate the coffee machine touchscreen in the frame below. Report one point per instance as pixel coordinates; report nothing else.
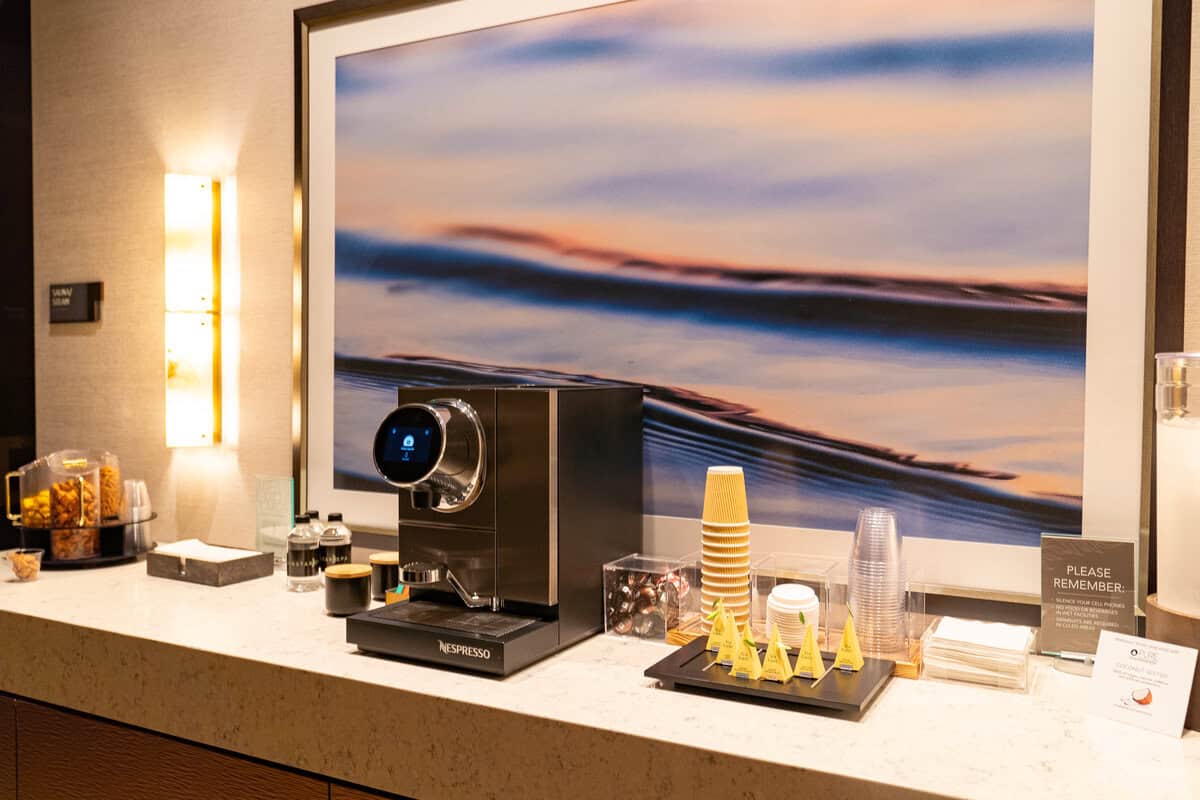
(408, 445)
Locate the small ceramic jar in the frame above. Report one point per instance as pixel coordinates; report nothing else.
(385, 574)
(347, 589)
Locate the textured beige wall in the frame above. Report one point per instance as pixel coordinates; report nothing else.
(124, 91)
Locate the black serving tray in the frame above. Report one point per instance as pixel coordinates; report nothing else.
(114, 547)
(695, 668)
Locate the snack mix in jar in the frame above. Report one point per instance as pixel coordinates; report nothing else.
(73, 503)
(35, 510)
(111, 491)
(71, 544)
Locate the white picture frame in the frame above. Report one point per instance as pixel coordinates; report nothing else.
(1118, 262)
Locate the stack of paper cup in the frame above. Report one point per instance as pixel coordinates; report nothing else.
(785, 605)
(725, 546)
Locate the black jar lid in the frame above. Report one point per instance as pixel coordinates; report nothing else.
(336, 516)
(301, 519)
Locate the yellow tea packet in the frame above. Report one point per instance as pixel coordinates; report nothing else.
(809, 664)
(729, 640)
(849, 654)
(776, 664)
(746, 663)
(717, 618)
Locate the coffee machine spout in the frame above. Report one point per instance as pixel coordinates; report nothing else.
(425, 573)
(423, 498)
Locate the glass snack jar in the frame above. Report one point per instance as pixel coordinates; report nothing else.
(74, 489)
(32, 507)
(74, 505)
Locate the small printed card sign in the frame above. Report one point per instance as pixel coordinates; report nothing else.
(1088, 586)
(1142, 682)
(75, 302)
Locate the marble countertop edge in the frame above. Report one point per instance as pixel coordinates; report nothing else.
(254, 670)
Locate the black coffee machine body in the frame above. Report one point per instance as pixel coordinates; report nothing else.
(512, 498)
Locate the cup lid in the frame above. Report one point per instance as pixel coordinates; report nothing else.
(793, 591)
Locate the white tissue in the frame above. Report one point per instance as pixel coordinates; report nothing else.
(198, 550)
(981, 652)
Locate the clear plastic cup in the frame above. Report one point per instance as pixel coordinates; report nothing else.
(25, 564)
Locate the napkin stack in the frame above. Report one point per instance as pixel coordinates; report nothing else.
(992, 653)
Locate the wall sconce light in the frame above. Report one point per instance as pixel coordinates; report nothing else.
(193, 310)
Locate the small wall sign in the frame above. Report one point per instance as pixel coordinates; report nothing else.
(75, 302)
(1088, 586)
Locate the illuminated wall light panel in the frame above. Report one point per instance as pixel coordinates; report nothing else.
(230, 295)
(193, 310)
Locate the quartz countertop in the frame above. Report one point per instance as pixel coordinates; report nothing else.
(259, 671)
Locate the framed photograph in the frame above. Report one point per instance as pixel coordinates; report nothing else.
(892, 254)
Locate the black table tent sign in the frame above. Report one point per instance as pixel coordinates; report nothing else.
(1088, 585)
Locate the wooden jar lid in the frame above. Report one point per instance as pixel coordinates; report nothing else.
(348, 571)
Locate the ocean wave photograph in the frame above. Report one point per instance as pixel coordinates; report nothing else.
(843, 246)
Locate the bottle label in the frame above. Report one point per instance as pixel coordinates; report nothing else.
(334, 554)
(302, 563)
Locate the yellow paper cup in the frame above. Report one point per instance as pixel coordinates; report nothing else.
(725, 496)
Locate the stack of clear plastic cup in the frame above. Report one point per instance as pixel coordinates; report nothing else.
(137, 533)
(877, 583)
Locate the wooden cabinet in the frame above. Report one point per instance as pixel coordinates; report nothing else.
(8, 748)
(50, 754)
(64, 755)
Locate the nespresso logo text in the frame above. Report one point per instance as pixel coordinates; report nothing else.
(455, 649)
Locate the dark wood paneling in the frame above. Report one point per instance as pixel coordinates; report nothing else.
(1170, 235)
(8, 749)
(16, 233)
(68, 755)
(346, 793)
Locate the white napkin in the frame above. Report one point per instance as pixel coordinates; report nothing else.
(981, 652)
(194, 548)
(996, 636)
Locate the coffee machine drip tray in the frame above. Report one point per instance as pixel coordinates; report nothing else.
(450, 635)
(463, 620)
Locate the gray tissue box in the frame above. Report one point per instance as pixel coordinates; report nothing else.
(210, 573)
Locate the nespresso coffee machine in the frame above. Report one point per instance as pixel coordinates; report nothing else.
(512, 499)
